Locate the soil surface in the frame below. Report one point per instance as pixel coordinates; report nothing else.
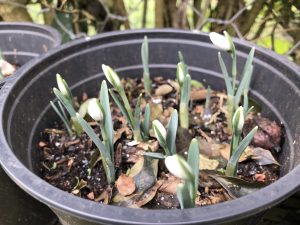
(73, 163)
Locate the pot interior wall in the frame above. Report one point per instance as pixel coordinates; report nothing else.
(20, 42)
(27, 110)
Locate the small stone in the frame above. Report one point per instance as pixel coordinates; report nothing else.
(163, 90)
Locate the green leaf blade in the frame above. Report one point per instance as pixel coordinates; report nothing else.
(171, 133)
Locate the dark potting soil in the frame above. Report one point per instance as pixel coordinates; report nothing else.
(74, 165)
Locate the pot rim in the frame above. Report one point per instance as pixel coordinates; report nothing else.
(92, 211)
(44, 30)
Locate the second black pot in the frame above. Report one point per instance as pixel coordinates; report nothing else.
(25, 111)
(19, 43)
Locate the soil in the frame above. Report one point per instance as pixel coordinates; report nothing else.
(73, 165)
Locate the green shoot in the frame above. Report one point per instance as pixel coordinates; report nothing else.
(65, 97)
(108, 124)
(63, 117)
(145, 60)
(184, 102)
(231, 167)
(107, 159)
(182, 61)
(189, 172)
(237, 147)
(165, 138)
(145, 125)
(122, 100)
(184, 81)
(137, 120)
(207, 111)
(234, 94)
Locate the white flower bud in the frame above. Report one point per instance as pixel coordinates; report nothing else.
(238, 120)
(111, 76)
(179, 167)
(94, 109)
(158, 127)
(180, 73)
(220, 41)
(62, 86)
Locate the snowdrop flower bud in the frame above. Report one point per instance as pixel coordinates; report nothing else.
(111, 76)
(180, 73)
(94, 109)
(159, 129)
(61, 83)
(238, 120)
(220, 41)
(179, 167)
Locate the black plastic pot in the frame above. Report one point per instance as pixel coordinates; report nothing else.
(19, 43)
(25, 111)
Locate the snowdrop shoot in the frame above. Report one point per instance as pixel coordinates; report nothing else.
(111, 76)
(159, 129)
(179, 167)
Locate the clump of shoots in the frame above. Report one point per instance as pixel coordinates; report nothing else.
(237, 147)
(189, 172)
(99, 110)
(145, 61)
(165, 138)
(207, 113)
(107, 158)
(65, 97)
(184, 81)
(122, 102)
(234, 93)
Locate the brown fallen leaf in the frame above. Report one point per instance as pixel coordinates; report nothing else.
(206, 163)
(125, 185)
(146, 196)
(268, 135)
(170, 184)
(263, 157)
(153, 145)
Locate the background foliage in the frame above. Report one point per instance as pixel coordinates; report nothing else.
(273, 24)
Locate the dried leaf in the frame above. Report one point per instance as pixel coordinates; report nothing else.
(146, 196)
(263, 157)
(237, 187)
(156, 111)
(125, 185)
(170, 184)
(207, 164)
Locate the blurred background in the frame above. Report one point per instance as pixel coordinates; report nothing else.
(273, 24)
